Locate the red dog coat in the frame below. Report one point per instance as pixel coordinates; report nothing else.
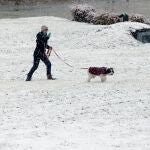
(97, 71)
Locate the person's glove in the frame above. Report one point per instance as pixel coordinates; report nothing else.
(48, 35)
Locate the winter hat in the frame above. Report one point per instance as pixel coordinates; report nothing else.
(43, 28)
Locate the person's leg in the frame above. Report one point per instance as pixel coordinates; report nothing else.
(34, 67)
(48, 66)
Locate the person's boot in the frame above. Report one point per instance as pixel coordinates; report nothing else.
(49, 77)
(28, 78)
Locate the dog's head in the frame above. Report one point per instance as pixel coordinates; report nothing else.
(110, 71)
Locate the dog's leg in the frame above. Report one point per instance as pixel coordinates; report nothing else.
(103, 78)
(89, 77)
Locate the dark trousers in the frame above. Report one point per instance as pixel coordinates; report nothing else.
(36, 62)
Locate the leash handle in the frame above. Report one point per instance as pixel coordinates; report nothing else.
(48, 52)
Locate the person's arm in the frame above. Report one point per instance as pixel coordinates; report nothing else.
(40, 38)
(43, 37)
(47, 37)
(47, 47)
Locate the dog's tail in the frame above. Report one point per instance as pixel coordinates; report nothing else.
(84, 68)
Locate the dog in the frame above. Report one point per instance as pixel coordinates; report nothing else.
(102, 72)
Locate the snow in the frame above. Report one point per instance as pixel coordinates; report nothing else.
(69, 113)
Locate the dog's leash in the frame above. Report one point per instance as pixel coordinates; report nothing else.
(60, 58)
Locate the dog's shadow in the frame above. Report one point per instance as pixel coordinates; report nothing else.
(97, 82)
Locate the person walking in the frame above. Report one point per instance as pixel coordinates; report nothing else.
(40, 53)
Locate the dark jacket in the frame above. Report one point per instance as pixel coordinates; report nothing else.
(41, 43)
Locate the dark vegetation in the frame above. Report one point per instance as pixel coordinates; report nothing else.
(87, 14)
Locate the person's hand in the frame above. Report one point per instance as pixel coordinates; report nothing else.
(49, 51)
(48, 35)
(50, 48)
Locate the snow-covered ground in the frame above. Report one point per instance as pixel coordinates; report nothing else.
(69, 113)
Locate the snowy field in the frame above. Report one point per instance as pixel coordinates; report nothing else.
(69, 113)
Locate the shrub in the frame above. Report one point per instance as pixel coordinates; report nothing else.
(83, 13)
(87, 14)
(106, 19)
(137, 18)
